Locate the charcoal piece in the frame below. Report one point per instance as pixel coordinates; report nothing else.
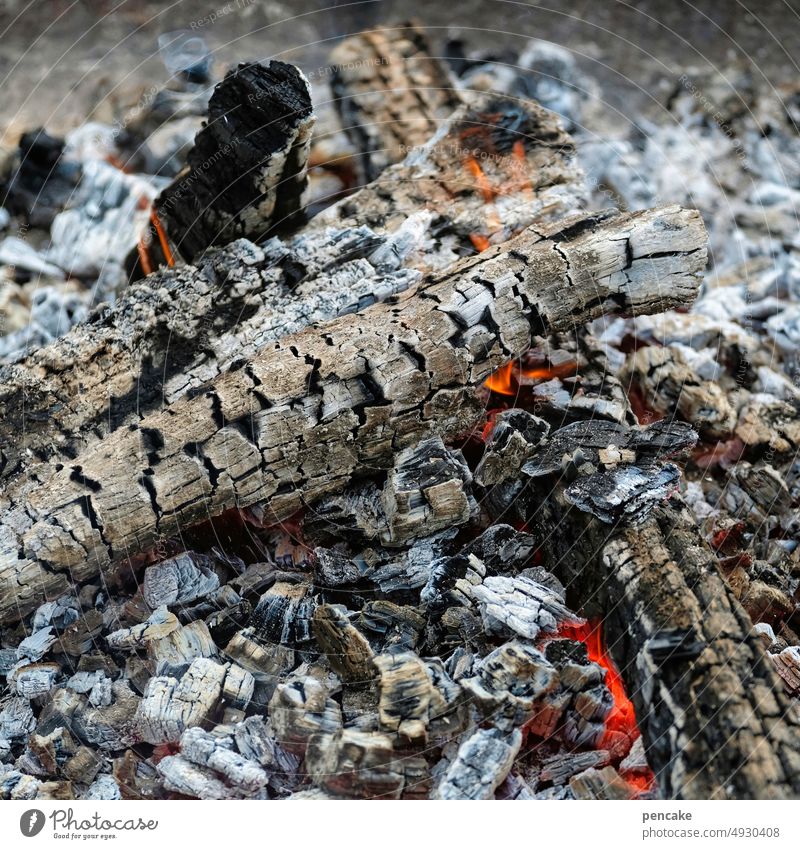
(627, 493)
(159, 624)
(83, 766)
(240, 776)
(417, 700)
(391, 92)
(170, 705)
(112, 727)
(605, 783)
(172, 654)
(53, 750)
(283, 615)
(514, 436)
(502, 549)
(669, 384)
(521, 606)
(302, 708)
(34, 679)
(42, 182)
(482, 764)
(661, 440)
(390, 625)
(265, 661)
(585, 439)
(179, 580)
(334, 569)
(247, 169)
(357, 764)
(348, 651)
(409, 568)
(560, 768)
(515, 682)
(787, 665)
(427, 491)
(357, 512)
(451, 582)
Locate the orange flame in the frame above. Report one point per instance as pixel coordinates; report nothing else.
(162, 237)
(481, 243)
(507, 379)
(622, 717)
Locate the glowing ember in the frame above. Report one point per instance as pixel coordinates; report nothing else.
(162, 237)
(481, 243)
(508, 378)
(622, 717)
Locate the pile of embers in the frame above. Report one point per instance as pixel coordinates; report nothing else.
(385, 503)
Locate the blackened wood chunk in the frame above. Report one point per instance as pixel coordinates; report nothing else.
(179, 580)
(302, 707)
(502, 549)
(482, 764)
(669, 384)
(514, 436)
(626, 493)
(426, 491)
(417, 698)
(111, 727)
(333, 568)
(575, 444)
(357, 764)
(247, 169)
(171, 705)
(283, 615)
(390, 625)
(521, 606)
(347, 649)
(605, 783)
(515, 684)
(42, 182)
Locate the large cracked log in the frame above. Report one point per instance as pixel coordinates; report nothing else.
(713, 715)
(181, 327)
(320, 407)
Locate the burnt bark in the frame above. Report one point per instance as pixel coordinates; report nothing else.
(391, 92)
(247, 170)
(305, 417)
(713, 715)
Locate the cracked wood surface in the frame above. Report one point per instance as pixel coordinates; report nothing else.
(181, 327)
(713, 715)
(391, 93)
(308, 415)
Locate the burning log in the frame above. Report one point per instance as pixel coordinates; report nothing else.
(303, 419)
(713, 716)
(173, 332)
(391, 93)
(247, 169)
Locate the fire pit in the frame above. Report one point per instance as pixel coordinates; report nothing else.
(420, 449)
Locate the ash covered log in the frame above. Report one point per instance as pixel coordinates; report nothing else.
(391, 93)
(181, 327)
(247, 169)
(304, 418)
(714, 718)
